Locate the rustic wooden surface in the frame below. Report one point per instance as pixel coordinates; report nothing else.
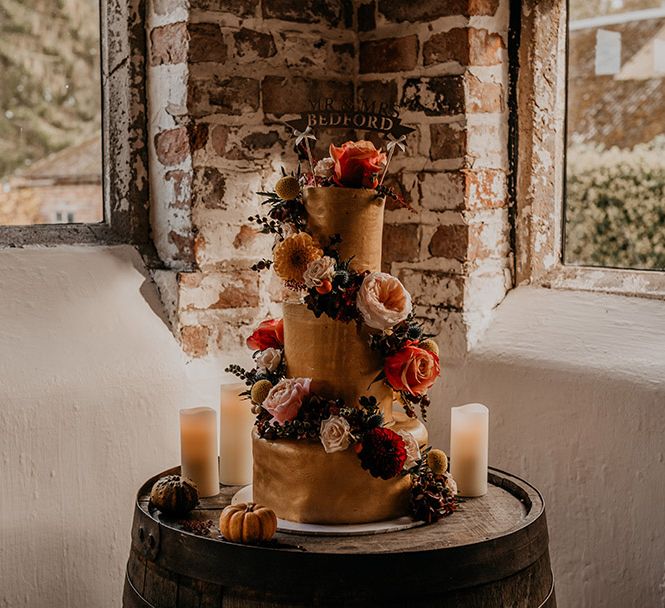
(491, 552)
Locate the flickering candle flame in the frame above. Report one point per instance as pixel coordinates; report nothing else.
(469, 439)
(198, 448)
(236, 422)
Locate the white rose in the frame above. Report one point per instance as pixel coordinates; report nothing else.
(451, 484)
(335, 434)
(324, 168)
(412, 449)
(318, 271)
(269, 359)
(382, 301)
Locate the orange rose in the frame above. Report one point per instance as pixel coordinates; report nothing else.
(357, 164)
(269, 334)
(412, 369)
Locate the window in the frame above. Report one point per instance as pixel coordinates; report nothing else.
(50, 112)
(615, 136)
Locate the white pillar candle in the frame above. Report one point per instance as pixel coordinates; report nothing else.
(236, 422)
(198, 448)
(469, 438)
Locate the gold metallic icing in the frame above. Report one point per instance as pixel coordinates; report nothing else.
(355, 214)
(301, 482)
(335, 355)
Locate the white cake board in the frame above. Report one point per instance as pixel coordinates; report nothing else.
(294, 527)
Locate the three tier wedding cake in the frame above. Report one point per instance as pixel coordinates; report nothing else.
(330, 447)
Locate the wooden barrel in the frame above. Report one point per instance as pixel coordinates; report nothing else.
(493, 552)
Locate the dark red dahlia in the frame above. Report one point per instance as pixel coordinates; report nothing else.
(383, 453)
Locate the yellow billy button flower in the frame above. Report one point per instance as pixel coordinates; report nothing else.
(260, 391)
(287, 188)
(437, 461)
(430, 346)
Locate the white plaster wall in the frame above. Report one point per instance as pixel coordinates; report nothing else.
(90, 384)
(576, 386)
(91, 380)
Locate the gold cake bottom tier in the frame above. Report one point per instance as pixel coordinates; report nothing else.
(301, 482)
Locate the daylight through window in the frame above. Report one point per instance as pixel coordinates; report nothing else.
(50, 112)
(615, 161)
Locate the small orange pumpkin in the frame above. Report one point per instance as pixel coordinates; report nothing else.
(248, 523)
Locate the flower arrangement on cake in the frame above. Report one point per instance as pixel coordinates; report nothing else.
(357, 324)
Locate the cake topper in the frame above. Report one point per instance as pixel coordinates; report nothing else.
(324, 113)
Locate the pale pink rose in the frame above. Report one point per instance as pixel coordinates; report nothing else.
(324, 168)
(269, 359)
(285, 398)
(412, 449)
(318, 271)
(382, 301)
(335, 434)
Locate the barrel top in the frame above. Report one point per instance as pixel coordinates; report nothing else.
(510, 507)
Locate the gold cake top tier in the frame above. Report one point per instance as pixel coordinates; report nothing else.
(355, 214)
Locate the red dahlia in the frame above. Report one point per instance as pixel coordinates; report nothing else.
(383, 453)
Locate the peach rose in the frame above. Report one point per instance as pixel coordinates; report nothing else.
(269, 334)
(357, 164)
(285, 398)
(411, 369)
(382, 301)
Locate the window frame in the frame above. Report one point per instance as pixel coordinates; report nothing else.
(124, 146)
(538, 157)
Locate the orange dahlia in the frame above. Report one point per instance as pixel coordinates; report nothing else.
(293, 255)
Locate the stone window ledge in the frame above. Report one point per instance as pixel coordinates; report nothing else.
(584, 333)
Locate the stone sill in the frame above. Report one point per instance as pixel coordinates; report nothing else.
(586, 333)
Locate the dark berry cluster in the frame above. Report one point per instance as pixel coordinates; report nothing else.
(430, 498)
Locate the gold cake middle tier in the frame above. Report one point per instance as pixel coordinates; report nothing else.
(336, 356)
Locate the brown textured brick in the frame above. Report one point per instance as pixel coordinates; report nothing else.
(332, 12)
(373, 94)
(198, 135)
(483, 7)
(184, 246)
(182, 182)
(208, 188)
(443, 47)
(194, 340)
(389, 54)
(435, 96)
(243, 292)
(366, 14)
(400, 243)
(245, 236)
(485, 48)
(441, 289)
(235, 95)
(450, 242)
(206, 43)
(250, 43)
(218, 137)
(166, 7)
(241, 8)
(486, 189)
(168, 44)
(172, 146)
(483, 97)
(428, 10)
(447, 141)
(293, 95)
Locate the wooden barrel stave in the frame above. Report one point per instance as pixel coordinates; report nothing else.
(169, 567)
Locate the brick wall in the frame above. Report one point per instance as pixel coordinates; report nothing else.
(223, 75)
